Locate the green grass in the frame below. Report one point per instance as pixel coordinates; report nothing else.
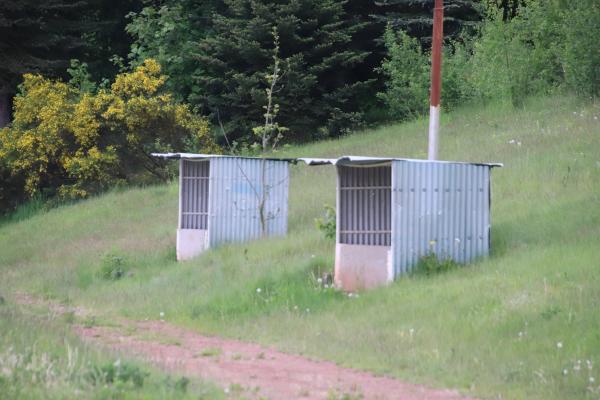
(41, 359)
(490, 329)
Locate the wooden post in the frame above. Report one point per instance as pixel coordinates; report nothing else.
(436, 79)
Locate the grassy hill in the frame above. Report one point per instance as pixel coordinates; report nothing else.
(524, 323)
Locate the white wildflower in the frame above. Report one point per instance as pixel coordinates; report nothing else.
(559, 345)
(565, 371)
(258, 290)
(319, 281)
(592, 380)
(162, 314)
(308, 310)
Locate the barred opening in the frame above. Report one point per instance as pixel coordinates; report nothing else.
(194, 194)
(365, 205)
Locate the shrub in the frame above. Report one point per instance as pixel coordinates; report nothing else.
(522, 56)
(74, 142)
(407, 71)
(457, 74)
(509, 58)
(118, 372)
(581, 52)
(113, 267)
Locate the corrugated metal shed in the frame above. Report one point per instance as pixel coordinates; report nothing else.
(440, 208)
(400, 210)
(390, 211)
(220, 196)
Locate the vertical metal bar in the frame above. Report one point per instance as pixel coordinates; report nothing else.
(338, 213)
(179, 221)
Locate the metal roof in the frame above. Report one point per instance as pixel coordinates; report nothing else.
(361, 160)
(344, 160)
(194, 156)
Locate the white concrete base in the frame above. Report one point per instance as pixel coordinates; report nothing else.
(362, 267)
(190, 243)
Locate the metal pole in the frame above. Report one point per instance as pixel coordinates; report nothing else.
(436, 78)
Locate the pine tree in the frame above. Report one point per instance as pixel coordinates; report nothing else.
(321, 85)
(43, 36)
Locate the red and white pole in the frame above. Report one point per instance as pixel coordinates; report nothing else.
(436, 78)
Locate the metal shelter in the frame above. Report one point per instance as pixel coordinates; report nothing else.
(220, 200)
(390, 212)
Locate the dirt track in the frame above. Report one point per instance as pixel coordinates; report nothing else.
(252, 371)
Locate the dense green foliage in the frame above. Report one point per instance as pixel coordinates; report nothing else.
(581, 50)
(546, 47)
(318, 87)
(407, 76)
(79, 143)
(170, 33)
(219, 52)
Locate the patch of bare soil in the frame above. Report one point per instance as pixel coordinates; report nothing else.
(251, 370)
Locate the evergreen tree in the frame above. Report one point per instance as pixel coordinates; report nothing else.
(43, 36)
(321, 84)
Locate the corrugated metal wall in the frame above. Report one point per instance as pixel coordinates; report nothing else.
(234, 204)
(444, 208)
(194, 194)
(365, 213)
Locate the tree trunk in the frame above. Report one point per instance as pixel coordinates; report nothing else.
(4, 109)
(262, 202)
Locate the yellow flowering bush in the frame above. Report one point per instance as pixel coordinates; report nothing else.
(75, 144)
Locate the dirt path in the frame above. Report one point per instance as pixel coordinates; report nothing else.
(250, 370)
